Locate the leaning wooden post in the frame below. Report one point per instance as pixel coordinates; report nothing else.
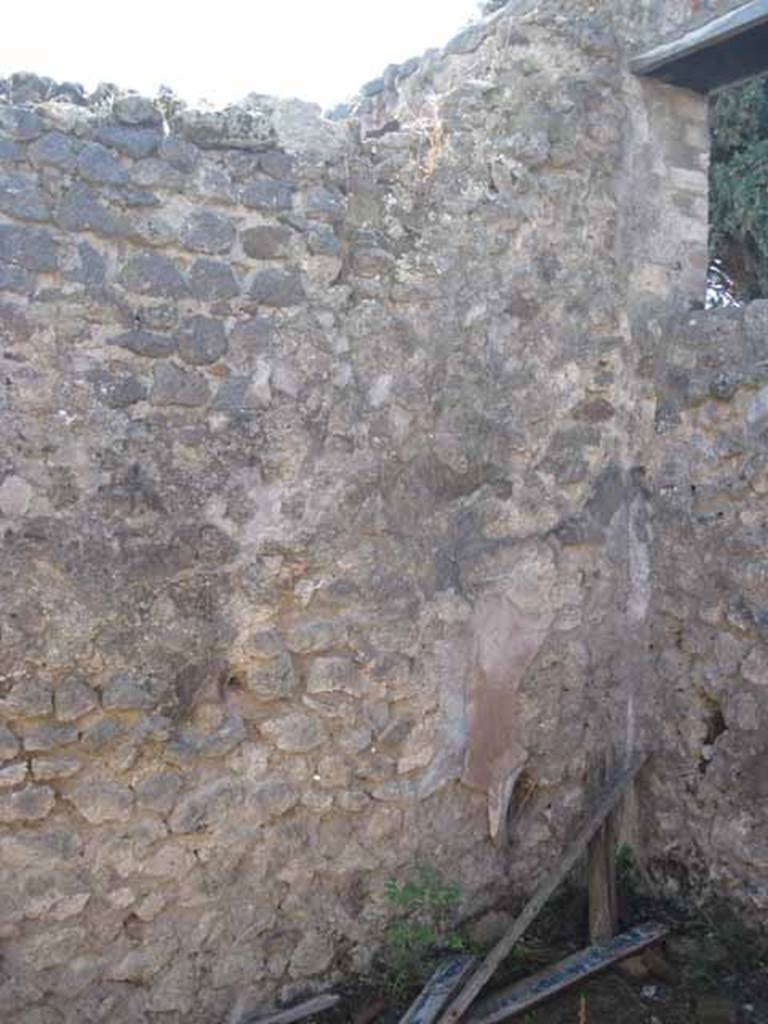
(570, 857)
(601, 868)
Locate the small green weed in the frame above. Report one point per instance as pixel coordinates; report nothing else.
(422, 930)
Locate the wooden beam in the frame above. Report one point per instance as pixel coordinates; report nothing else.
(299, 1012)
(529, 992)
(531, 910)
(448, 977)
(714, 32)
(601, 868)
(723, 51)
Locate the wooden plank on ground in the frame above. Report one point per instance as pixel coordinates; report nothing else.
(530, 911)
(298, 1012)
(529, 992)
(448, 977)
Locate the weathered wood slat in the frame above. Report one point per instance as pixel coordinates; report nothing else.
(601, 868)
(529, 992)
(718, 30)
(530, 911)
(298, 1012)
(439, 989)
(726, 50)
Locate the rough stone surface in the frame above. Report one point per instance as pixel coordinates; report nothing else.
(360, 482)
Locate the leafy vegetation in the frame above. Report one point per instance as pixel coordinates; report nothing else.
(739, 189)
(423, 929)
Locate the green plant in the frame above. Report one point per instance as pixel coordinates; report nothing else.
(625, 864)
(738, 183)
(422, 929)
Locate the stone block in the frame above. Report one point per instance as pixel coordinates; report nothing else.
(268, 196)
(266, 242)
(208, 232)
(211, 280)
(32, 803)
(102, 800)
(202, 340)
(277, 288)
(153, 274)
(146, 343)
(295, 733)
(96, 164)
(173, 386)
(20, 197)
(33, 248)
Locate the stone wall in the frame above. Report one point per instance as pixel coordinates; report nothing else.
(707, 482)
(324, 504)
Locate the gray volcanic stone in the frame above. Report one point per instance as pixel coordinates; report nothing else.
(126, 692)
(103, 733)
(53, 767)
(27, 699)
(235, 127)
(330, 675)
(14, 327)
(28, 804)
(270, 799)
(179, 153)
(153, 274)
(174, 386)
(242, 394)
(136, 110)
(159, 792)
(322, 241)
(468, 40)
(373, 88)
(73, 698)
(79, 209)
(321, 204)
(295, 733)
(95, 163)
(26, 87)
(205, 231)
(9, 744)
(119, 389)
(90, 267)
(146, 343)
(10, 150)
(266, 242)
(207, 806)
(33, 248)
(20, 197)
(20, 123)
(49, 735)
(277, 288)
(277, 164)
(101, 800)
(13, 775)
(270, 672)
(134, 142)
(70, 92)
(202, 340)
(254, 334)
(154, 173)
(16, 279)
(271, 196)
(54, 150)
(211, 280)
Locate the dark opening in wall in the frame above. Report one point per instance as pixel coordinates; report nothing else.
(738, 202)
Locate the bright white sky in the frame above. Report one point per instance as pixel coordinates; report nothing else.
(220, 50)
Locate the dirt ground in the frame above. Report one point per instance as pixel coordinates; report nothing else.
(709, 970)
